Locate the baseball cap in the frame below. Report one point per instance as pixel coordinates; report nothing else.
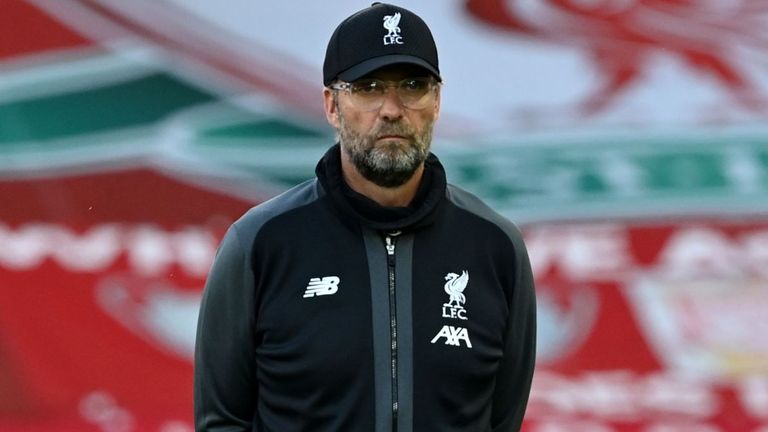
(378, 36)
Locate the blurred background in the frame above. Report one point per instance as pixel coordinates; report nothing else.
(627, 138)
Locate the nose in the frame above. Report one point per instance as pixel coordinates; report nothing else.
(391, 108)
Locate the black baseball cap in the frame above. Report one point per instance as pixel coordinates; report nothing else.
(378, 36)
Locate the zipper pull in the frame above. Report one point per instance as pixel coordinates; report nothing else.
(390, 246)
(390, 242)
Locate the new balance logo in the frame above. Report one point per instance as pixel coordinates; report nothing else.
(325, 286)
(453, 336)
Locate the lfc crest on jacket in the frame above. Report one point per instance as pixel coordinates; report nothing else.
(454, 287)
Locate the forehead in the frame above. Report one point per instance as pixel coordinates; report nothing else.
(398, 71)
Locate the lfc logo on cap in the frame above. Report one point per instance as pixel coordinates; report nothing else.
(391, 23)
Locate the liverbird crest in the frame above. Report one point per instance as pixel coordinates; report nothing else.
(455, 286)
(391, 23)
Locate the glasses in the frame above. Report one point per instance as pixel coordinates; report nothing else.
(369, 94)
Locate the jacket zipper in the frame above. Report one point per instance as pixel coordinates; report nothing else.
(390, 243)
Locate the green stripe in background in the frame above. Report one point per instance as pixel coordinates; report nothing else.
(263, 128)
(133, 103)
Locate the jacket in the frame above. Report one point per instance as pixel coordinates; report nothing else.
(326, 312)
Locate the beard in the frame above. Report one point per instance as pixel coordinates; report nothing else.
(390, 163)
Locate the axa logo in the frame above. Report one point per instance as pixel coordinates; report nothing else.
(322, 286)
(453, 336)
(391, 24)
(454, 287)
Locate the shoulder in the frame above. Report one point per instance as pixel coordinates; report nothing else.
(473, 205)
(299, 196)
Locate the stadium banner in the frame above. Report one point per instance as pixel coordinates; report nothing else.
(643, 325)
(101, 277)
(651, 326)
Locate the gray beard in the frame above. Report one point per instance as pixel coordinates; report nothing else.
(388, 164)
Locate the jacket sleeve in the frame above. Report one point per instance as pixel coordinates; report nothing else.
(513, 380)
(225, 390)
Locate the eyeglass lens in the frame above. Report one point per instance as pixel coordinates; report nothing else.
(414, 93)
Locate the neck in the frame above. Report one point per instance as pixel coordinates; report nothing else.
(399, 196)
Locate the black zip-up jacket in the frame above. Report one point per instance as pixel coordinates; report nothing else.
(324, 312)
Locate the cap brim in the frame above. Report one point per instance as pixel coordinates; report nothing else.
(362, 69)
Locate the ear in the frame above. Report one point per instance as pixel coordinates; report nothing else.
(331, 109)
(437, 102)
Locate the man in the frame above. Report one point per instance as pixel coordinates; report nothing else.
(375, 297)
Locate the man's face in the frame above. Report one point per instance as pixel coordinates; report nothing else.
(389, 144)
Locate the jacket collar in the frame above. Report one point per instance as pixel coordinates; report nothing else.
(359, 209)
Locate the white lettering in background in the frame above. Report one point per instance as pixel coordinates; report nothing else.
(755, 253)
(569, 425)
(582, 252)
(102, 410)
(681, 426)
(595, 401)
(753, 393)
(710, 252)
(580, 425)
(605, 251)
(699, 251)
(150, 250)
(25, 248)
(621, 396)
(87, 252)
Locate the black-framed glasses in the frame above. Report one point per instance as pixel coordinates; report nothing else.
(368, 94)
